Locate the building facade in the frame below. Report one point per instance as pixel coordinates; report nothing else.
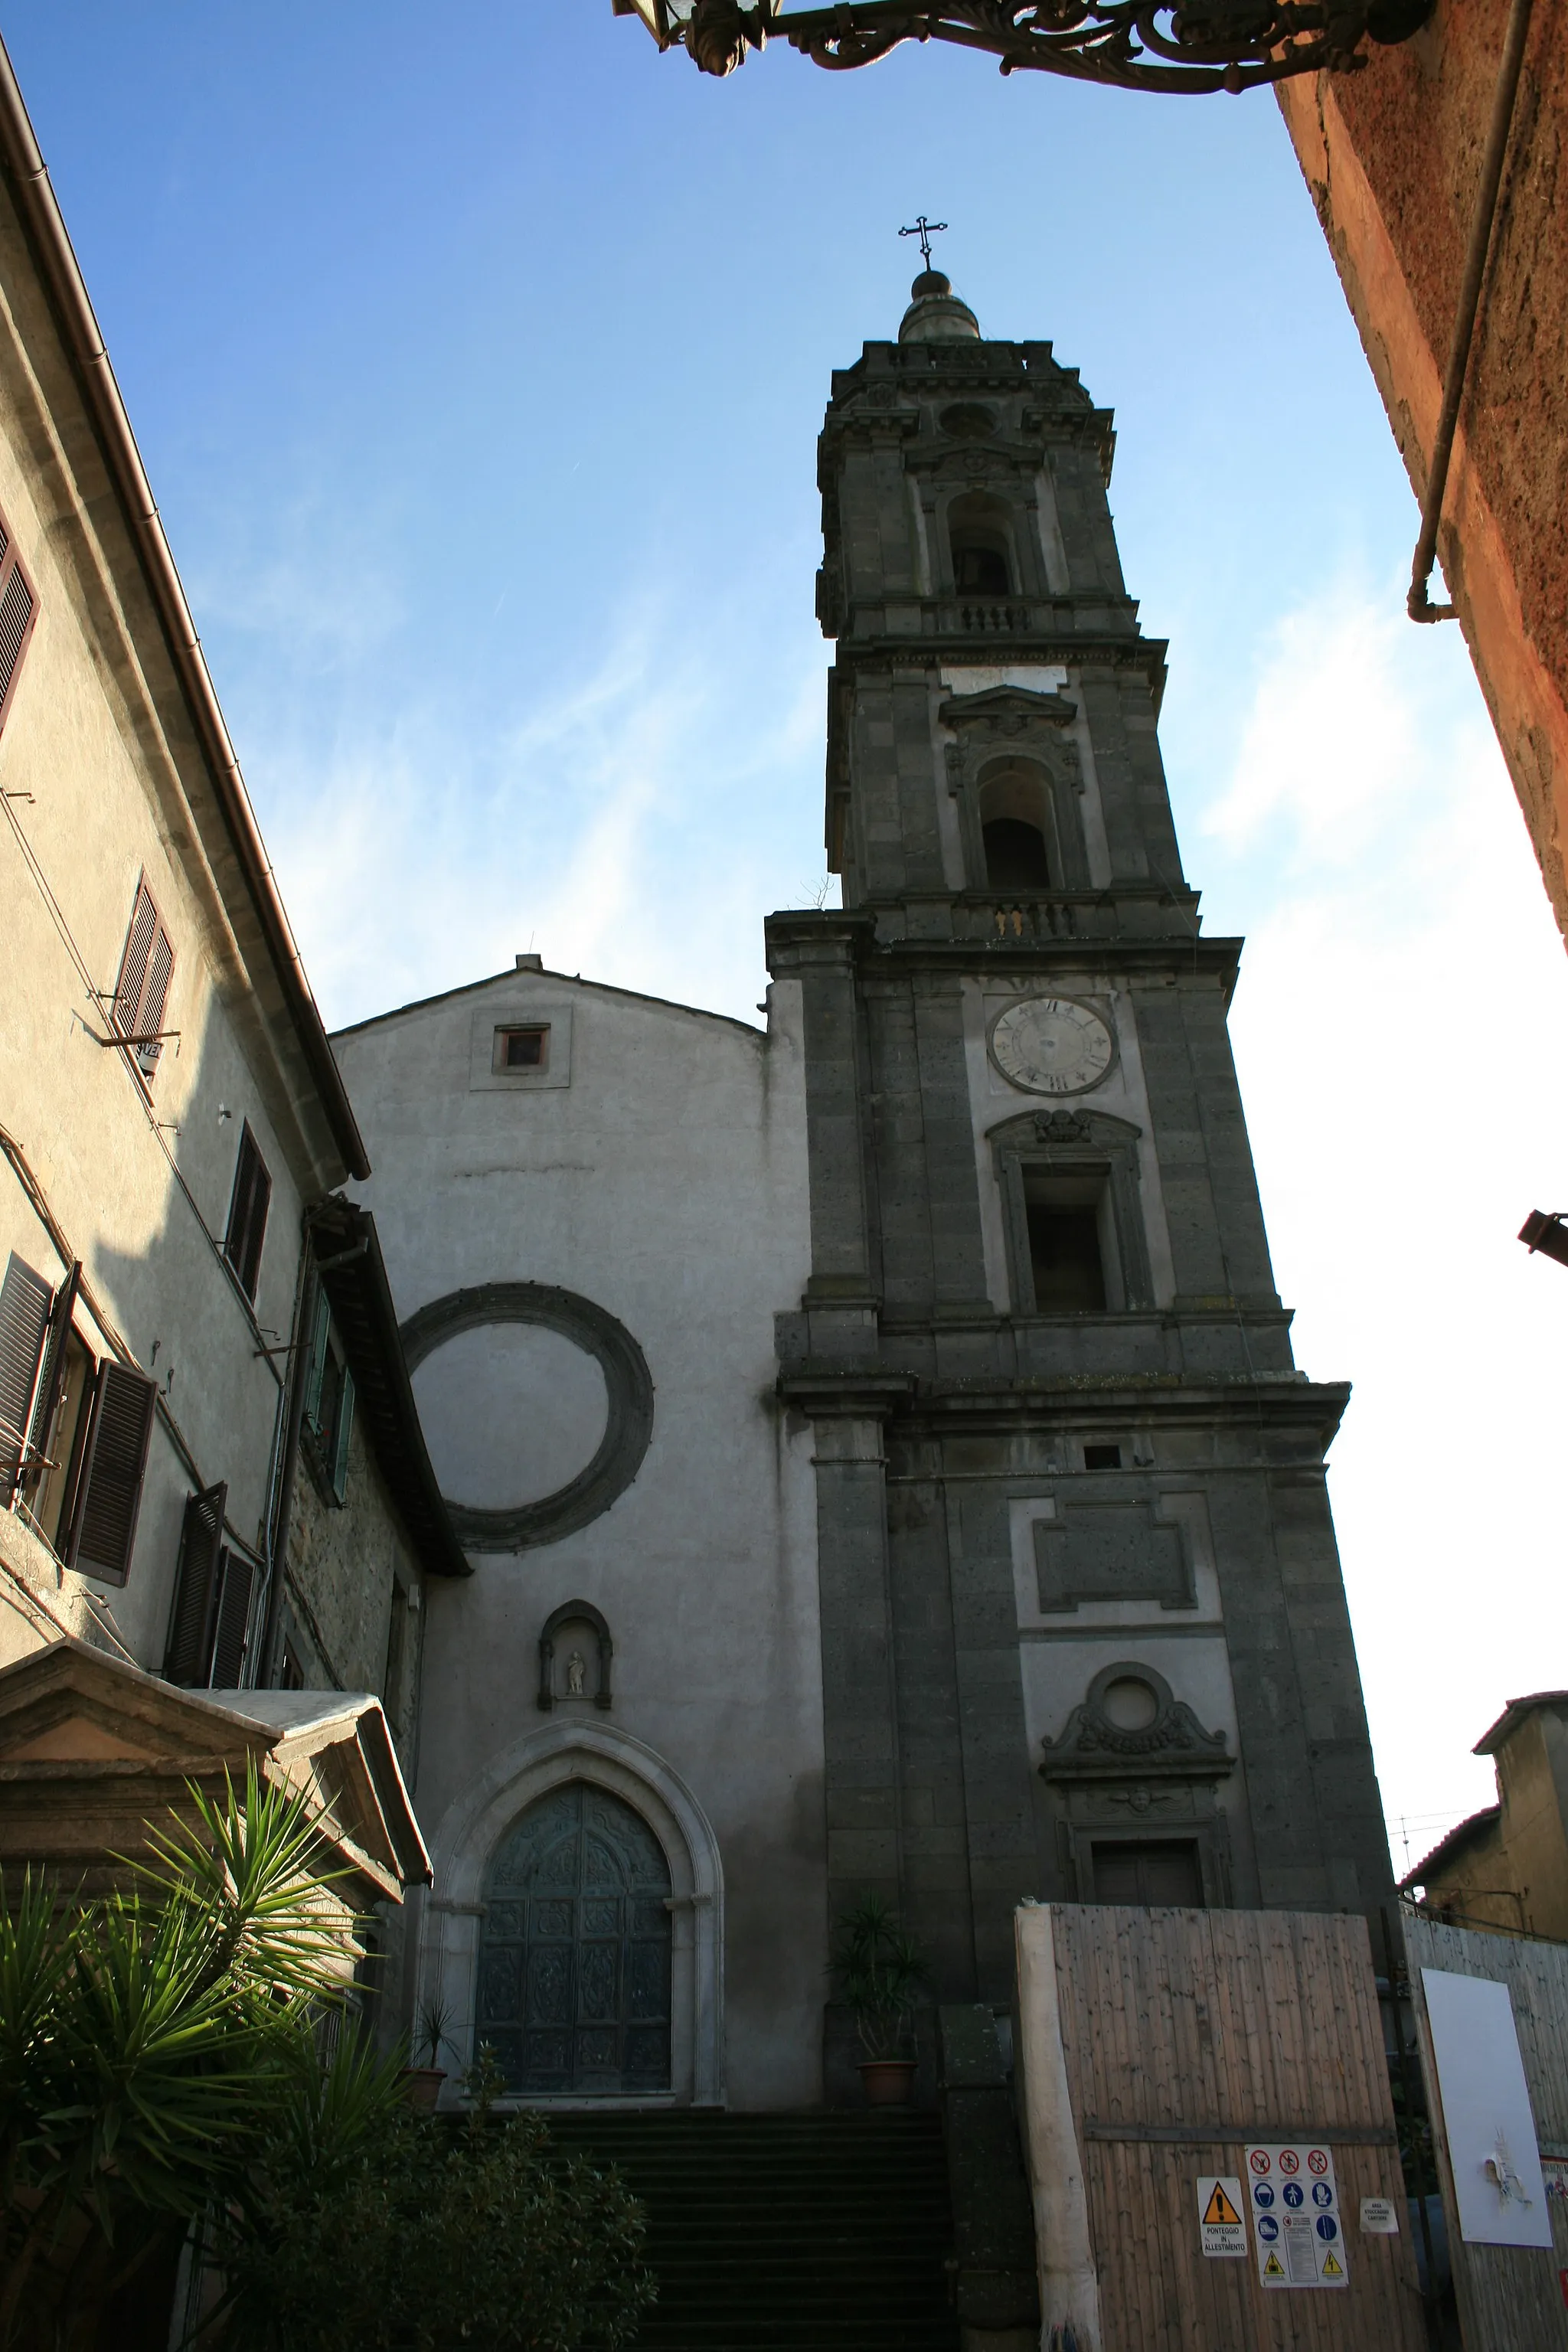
(1084, 1631)
(211, 1473)
(877, 1439)
(591, 1204)
(1394, 158)
(1505, 1870)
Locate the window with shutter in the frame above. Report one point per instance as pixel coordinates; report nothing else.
(24, 1302)
(51, 1379)
(142, 991)
(113, 1463)
(189, 1656)
(18, 610)
(342, 1425)
(247, 1214)
(329, 1406)
(233, 1620)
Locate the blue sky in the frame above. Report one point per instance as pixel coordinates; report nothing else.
(478, 357)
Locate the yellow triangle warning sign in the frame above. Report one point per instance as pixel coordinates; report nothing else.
(1219, 2207)
(1274, 2267)
(1331, 2268)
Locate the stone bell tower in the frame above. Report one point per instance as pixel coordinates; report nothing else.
(1084, 1633)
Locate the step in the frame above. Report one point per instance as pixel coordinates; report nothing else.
(815, 2231)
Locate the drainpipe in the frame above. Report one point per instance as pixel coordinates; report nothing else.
(1418, 603)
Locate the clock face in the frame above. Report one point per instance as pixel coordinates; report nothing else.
(1051, 1045)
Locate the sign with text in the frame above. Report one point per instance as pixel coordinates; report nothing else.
(1222, 2216)
(1296, 2221)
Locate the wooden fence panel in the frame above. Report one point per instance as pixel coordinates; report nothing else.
(1186, 2035)
(1511, 2298)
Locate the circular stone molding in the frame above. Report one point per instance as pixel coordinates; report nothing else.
(628, 1389)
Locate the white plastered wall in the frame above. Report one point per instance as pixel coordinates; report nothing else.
(666, 1184)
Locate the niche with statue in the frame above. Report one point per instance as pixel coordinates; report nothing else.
(575, 1654)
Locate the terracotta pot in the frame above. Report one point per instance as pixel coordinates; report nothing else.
(422, 2085)
(889, 2082)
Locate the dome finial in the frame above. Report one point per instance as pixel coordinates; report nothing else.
(936, 315)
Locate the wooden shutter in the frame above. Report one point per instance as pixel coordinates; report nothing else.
(25, 1298)
(109, 1490)
(188, 1655)
(53, 1372)
(247, 1214)
(18, 609)
(340, 1434)
(154, 997)
(142, 991)
(233, 1619)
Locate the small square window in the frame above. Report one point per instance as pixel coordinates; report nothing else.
(1102, 1457)
(523, 1049)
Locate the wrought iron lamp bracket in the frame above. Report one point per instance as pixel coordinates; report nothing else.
(1198, 45)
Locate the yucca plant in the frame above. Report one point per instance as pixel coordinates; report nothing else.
(148, 2042)
(880, 1972)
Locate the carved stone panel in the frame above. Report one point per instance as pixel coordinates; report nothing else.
(1118, 1550)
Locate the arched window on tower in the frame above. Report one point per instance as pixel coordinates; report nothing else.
(1015, 829)
(982, 556)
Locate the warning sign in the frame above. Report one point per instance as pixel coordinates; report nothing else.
(1294, 2206)
(1222, 2215)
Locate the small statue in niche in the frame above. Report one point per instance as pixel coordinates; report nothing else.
(576, 1674)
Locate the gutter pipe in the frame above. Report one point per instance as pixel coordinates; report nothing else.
(1418, 603)
(61, 273)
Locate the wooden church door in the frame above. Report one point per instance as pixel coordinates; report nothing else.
(574, 1990)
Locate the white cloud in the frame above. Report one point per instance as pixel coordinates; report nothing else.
(1398, 1029)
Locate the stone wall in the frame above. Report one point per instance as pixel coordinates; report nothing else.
(1392, 158)
(353, 1610)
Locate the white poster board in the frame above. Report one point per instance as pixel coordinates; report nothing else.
(1487, 2115)
(1296, 2218)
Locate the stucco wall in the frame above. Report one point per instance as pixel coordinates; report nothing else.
(1392, 158)
(104, 787)
(663, 1182)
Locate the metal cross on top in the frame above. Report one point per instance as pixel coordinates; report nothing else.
(925, 230)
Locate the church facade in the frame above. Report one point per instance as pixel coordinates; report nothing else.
(875, 1438)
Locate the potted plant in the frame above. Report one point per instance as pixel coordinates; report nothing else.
(880, 1972)
(423, 2074)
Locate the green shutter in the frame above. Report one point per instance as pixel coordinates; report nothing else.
(316, 1362)
(341, 1435)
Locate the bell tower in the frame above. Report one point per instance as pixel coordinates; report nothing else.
(1084, 1631)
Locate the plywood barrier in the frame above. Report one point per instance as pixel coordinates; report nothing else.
(1510, 2298)
(1157, 2049)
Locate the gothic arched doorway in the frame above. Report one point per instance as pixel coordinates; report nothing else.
(573, 1985)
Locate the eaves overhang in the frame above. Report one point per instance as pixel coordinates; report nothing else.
(1512, 1715)
(353, 1273)
(59, 273)
(1473, 1832)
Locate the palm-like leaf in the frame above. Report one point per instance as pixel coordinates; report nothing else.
(256, 1866)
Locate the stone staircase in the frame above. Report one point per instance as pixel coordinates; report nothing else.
(829, 2231)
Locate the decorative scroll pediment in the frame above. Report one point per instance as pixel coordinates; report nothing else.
(1007, 711)
(1065, 1131)
(1131, 1727)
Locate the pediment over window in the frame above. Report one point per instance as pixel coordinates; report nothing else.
(1007, 710)
(1064, 1131)
(1131, 1726)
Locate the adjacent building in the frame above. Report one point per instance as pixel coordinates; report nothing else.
(1505, 1869)
(211, 1468)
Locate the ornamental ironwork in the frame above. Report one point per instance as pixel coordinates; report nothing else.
(1163, 45)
